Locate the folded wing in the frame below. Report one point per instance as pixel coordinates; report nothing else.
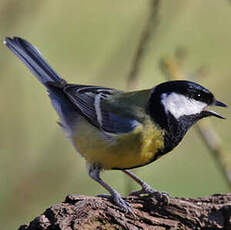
(92, 102)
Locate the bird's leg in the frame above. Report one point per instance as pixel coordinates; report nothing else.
(94, 173)
(147, 189)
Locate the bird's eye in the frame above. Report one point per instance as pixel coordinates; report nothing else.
(197, 96)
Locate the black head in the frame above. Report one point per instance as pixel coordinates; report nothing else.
(176, 105)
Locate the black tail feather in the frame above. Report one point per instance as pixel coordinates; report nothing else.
(33, 59)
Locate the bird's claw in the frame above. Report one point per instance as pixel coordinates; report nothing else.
(122, 204)
(118, 201)
(162, 197)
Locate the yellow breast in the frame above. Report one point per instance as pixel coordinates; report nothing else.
(119, 151)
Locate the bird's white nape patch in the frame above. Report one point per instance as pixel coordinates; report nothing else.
(179, 105)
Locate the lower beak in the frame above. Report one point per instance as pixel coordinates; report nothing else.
(213, 113)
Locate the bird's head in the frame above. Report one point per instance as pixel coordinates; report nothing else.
(181, 102)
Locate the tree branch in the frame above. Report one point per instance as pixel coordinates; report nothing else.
(148, 31)
(84, 212)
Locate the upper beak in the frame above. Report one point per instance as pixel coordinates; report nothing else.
(213, 113)
(219, 103)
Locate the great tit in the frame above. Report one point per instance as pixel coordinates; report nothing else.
(113, 129)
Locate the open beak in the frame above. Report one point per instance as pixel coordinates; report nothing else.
(213, 113)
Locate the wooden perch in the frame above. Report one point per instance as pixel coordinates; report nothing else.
(84, 212)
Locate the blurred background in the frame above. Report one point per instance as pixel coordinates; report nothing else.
(94, 42)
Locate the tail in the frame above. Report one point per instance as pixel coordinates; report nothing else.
(33, 59)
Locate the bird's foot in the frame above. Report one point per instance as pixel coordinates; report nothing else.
(121, 203)
(162, 197)
(118, 201)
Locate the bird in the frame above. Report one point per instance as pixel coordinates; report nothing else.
(118, 130)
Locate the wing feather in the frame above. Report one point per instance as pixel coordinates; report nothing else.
(90, 101)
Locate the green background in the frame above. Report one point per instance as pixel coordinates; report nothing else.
(94, 42)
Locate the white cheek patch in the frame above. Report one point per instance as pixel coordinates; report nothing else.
(179, 105)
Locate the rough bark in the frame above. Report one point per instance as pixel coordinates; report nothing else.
(84, 212)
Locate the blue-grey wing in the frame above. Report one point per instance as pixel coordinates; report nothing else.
(89, 100)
